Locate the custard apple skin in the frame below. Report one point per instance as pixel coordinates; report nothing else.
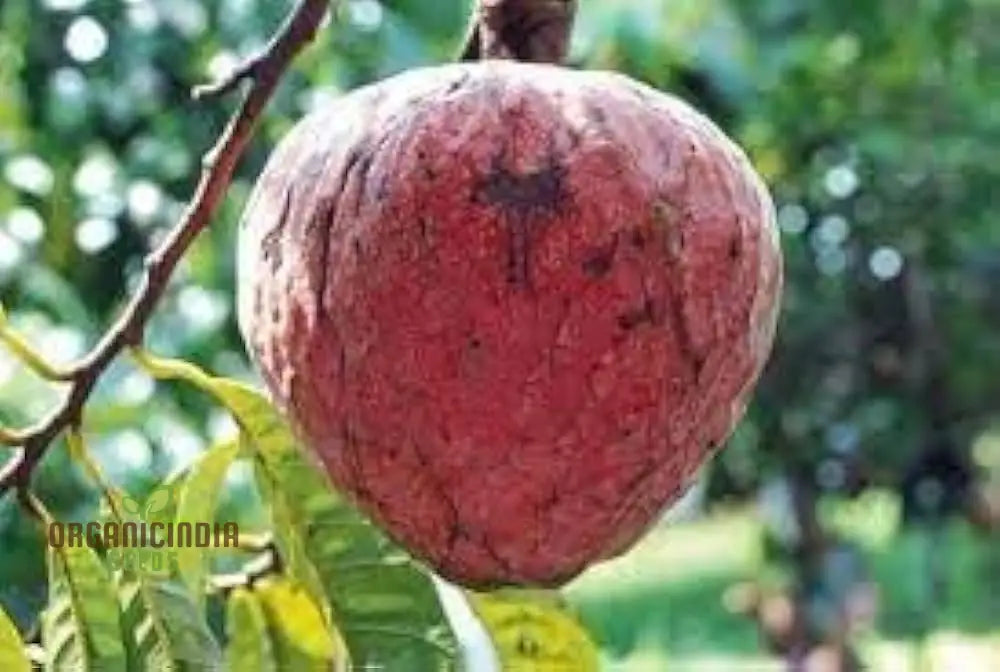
(512, 308)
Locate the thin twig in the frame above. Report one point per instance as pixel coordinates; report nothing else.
(255, 543)
(268, 563)
(8, 437)
(23, 351)
(34, 507)
(242, 72)
(217, 172)
(81, 453)
(299, 27)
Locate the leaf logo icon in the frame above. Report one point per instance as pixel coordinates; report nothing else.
(131, 505)
(158, 501)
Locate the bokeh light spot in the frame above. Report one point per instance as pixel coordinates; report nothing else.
(25, 225)
(64, 5)
(365, 14)
(885, 263)
(841, 181)
(95, 176)
(10, 252)
(95, 234)
(793, 218)
(144, 201)
(29, 173)
(86, 40)
(203, 310)
(833, 230)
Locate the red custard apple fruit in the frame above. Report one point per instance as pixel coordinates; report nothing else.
(511, 307)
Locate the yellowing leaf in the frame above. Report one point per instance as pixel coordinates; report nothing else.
(249, 648)
(199, 498)
(532, 635)
(12, 655)
(302, 639)
(294, 614)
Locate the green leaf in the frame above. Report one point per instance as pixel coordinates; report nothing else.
(385, 604)
(12, 655)
(535, 634)
(81, 629)
(199, 498)
(165, 628)
(299, 629)
(291, 542)
(250, 648)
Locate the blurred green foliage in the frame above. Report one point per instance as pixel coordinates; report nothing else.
(876, 124)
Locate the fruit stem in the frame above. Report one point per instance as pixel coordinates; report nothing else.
(536, 31)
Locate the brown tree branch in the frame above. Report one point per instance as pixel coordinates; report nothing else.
(535, 31)
(264, 71)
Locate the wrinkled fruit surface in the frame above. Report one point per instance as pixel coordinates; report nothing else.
(513, 308)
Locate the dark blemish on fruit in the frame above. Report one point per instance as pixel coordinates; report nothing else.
(524, 199)
(597, 265)
(527, 193)
(258, 300)
(638, 239)
(364, 168)
(634, 318)
(575, 138)
(458, 83)
(353, 157)
(596, 114)
(318, 228)
(271, 249)
(599, 260)
(271, 244)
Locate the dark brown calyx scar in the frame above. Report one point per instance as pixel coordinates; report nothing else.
(527, 193)
(525, 200)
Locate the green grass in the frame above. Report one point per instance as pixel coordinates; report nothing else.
(662, 602)
(665, 595)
